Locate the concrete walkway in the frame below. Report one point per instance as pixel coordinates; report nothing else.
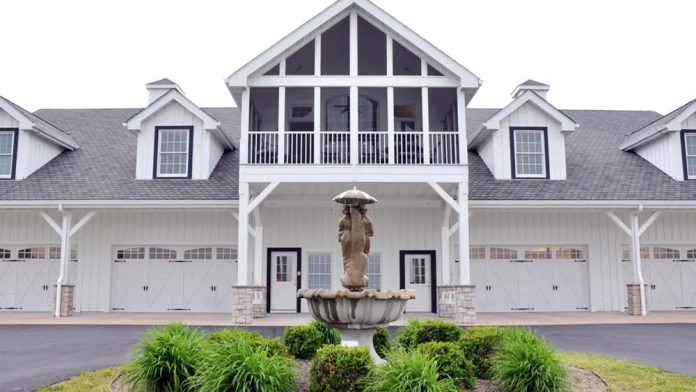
(281, 320)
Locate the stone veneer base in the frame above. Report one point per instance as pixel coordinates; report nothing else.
(67, 293)
(633, 299)
(248, 302)
(457, 302)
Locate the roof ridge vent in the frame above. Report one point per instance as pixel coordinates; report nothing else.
(531, 85)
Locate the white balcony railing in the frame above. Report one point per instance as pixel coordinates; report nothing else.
(444, 148)
(335, 148)
(373, 148)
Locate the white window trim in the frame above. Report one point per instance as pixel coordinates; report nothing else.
(189, 150)
(688, 133)
(12, 154)
(331, 255)
(544, 151)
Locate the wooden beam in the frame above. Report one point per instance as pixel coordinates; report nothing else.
(651, 219)
(281, 125)
(261, 196)
(447, 198)
(390, 124)
(353, 43)
(359, 81)
(82, 222)
(51, 223)
(244, 132)
(620, 223)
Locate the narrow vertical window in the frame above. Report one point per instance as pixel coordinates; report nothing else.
(173, 152)
(319, 276)
(374, 271)
(7, 153)
(529, 153)
(690, 154)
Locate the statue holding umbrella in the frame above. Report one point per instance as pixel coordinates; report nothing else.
(354, 232)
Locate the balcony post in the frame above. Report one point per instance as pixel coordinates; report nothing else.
(281, 125)
(426, 125)
(244, 136)
(461, 127)
(317, 125)
(354, 117)
(390, 124)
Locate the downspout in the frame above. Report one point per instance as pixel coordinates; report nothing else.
(639, 266)
(61, 274)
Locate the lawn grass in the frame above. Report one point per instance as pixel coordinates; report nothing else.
(96, 381)
(630, 376)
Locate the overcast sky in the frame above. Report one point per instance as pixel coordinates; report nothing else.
(595, 54)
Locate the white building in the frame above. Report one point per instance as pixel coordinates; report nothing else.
(178, 208)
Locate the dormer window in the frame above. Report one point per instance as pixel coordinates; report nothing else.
(689, 147)
(8, 151)
(174, 149)
(529, 152)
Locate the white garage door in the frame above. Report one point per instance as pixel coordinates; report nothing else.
(670, 273)
(530, 278)
(28, 275)
(173, 278)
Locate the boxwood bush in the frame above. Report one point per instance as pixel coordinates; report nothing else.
(255, 339)
(438, 331)
(237, 366)
(479, 345)
(380, 341)
(409, 371)
(329, 335)
(525, 363)
(303, 341)
(450, 362)
(339, 369)
(165, 359)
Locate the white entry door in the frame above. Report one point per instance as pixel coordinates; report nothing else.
(417, 275)
(283, 272)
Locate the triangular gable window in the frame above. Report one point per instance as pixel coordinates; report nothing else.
(335, 49)
(301, 62)
(275, 71)
(405, 62)
(372, 49)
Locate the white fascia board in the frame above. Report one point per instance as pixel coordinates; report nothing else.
(134, 123)
(567, 124)
(372, 12)
(635, 143)
(24, 122)
(676, 123)
(118, 204)
(583, 204)
(60, 140)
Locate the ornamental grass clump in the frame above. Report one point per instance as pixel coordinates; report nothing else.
(406, 337)
(340, 369)
(450, 363)
(165, 359)
(409, 371)
(237, 366)
(525, 363)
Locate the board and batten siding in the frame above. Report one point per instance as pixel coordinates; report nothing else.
(7, 121)
(495, 150)
(95, 241)
(207, 149)
(665, 153)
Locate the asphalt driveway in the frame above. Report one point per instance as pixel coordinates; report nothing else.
(37, 355)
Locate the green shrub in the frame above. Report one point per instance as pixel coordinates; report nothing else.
(409, 371)
(406, 337)
(165, 359)
(381, 342)
(237, 366)
(450, 362)
(303, 341)
(479, 345)
(338, 369)
(438, 331)
(525, 363)
(329, 335)
(255, 339)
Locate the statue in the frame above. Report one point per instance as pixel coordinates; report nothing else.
(354, 232)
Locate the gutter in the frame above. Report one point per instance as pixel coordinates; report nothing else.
(582, 204)
(119, 204)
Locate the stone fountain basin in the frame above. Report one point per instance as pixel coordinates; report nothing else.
(367, 309)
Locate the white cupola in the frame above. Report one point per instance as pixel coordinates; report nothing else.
(531, 85)
(160, 87)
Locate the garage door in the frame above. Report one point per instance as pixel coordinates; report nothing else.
(670, 273)
(28, 274)
(530, 278)
(173, 278)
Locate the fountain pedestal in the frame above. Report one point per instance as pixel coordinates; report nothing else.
(357, 314)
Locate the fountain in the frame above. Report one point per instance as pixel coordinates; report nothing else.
(355, 310)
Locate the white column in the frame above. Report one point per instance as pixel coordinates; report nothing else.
(445, 234)
(317, 56)
(390, 56)
(244, 131)
(637, 265)
(426, 124)
(243, 235)
(353, 43)
(390, 123)
(354, 116)
(463, 201)
(281, 125)
(258, 256)
(461, 126)
(64, 259)
(317, 125)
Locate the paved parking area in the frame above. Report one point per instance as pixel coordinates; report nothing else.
(36, 355)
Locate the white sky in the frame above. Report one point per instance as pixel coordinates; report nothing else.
(595, 54)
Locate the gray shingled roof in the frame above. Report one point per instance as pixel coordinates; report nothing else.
(104, 167)
(649, 130)
(531, 82)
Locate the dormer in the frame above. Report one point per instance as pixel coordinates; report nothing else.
(669, 143)
(27, 142)
(525, 139)
(176, 138)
